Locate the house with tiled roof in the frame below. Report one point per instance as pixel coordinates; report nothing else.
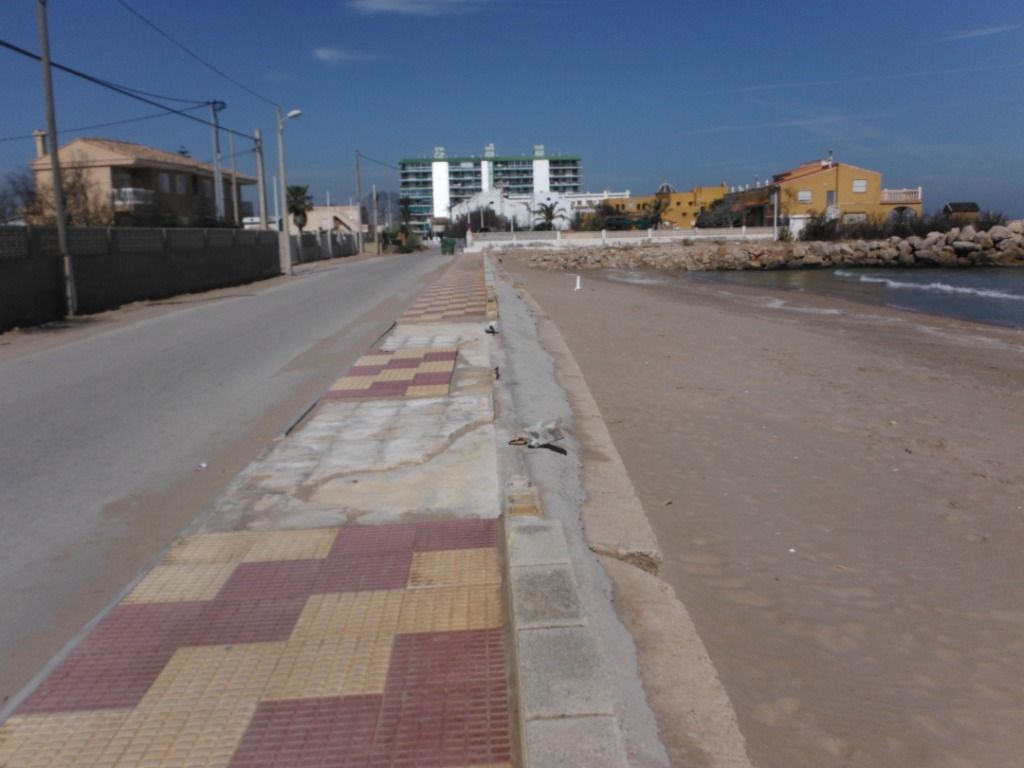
(135, 183)
(826, 187)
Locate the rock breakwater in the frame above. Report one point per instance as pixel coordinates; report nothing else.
(960, 247)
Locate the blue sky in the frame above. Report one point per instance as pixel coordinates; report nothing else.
(928, 93)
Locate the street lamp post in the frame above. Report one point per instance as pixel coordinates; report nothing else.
(284, 239)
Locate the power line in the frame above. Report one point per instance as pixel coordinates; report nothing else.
(122, 91)
(192, 53)
(107, 125)
(378, 162)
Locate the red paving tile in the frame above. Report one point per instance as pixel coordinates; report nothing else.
(335, 732)
(423, 728)
(423, 379)
(271, 580)
(456, 534)
(439, 357)
(256, 620)
(448, 660)
(115, 664)
(117, 678)
(364, 539)
(364, 572)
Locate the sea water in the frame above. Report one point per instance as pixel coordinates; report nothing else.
(994, 295)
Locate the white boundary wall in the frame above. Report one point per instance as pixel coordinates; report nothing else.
(557, 240)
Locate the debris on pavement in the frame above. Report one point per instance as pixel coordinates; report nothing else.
(540, 434)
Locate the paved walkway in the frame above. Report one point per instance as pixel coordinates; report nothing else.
(291, 631)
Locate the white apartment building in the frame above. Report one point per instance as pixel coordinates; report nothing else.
(438, 185)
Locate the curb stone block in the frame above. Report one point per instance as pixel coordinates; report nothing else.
(563, 675)
(545, 596)
(568, 741)
(536, 542)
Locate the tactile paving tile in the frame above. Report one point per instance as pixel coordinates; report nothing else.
(184, 582)
(456, 534)
(352, 572)
(366, 539)
(292, 545)
(116, 663)
(335, 732)
(443, 660)
(331, 665)
(258, 620)
(352, 614)
(197, 711)
(424, 727)
(452, 567)
(45, 741)
(275, 579)
(211, 548)
(451, 609)
(403, 373)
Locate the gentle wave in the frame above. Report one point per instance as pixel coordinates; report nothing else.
(933, 287)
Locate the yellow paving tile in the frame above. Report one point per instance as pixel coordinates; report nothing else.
(350, 614)
(398, 374)
(333, 665)
(454, 567)
(451, 609)
(65, 739)
(437, 366)
(354, 382)
(292, 545)
(197, 710)
(374, 360)
(211, 548)
(427, 390)
(178, 583)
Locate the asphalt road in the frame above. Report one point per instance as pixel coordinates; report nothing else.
(105, 430)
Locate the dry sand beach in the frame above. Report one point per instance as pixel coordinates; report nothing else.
(838, 492)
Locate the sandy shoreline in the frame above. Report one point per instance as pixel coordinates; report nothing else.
(837, 490)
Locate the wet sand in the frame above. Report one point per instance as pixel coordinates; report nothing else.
(838, 491)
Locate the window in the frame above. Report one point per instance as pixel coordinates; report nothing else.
(164, 183)
(803, 196)
(860, 185)
(180, 184)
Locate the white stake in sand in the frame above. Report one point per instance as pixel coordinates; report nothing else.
(577, 288)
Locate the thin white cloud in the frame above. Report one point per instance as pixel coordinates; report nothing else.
(331, 55)
(413, 7)
(811, 122)
(869, 79)
(983, 32)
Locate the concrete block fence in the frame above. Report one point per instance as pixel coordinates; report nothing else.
(117, 266)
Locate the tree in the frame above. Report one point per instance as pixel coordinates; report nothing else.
(548, 213)
(84, 204)
(17, 195)
(654, 211)
(299, 203)
(405, 210)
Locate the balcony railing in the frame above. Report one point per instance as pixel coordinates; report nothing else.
(902, 195)
(129, 197)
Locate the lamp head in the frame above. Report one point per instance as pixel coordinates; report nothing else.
(293, 113)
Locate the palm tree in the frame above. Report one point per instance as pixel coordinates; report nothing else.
(405, 210)
(299, 202)
(547, 212)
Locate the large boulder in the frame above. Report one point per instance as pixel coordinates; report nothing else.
(999, 233)
(967, 233)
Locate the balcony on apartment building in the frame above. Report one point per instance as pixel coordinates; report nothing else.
(130, 198)
(901, 196)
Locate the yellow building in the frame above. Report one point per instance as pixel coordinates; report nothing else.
(678, 209)
(120, 182)
(842, 191)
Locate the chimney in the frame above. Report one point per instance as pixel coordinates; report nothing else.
(40, 137)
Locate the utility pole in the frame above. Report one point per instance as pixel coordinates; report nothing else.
(234, 178)
(218, 183)
(70, 297)
(359, 207)
(261, 185)
(376, 239)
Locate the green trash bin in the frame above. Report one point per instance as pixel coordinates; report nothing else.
(448, 245)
